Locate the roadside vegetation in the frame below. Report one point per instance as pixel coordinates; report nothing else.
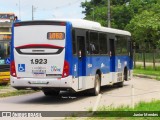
(6, 91)
(3, 86)
(16, 93)
(149, 70)
(152, 106)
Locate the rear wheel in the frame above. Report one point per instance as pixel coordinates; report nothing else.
(96, 89)
(51, 92)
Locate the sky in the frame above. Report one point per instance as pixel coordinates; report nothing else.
(43, 9)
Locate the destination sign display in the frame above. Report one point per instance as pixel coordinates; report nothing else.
(55, 35)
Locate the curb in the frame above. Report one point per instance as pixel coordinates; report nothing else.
(145, 76)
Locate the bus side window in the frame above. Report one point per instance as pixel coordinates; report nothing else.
(8, 50)
(121, 45)
(1, 52)
(73, 43)
(103, 43)
(94, 43)
(81, 46)
(87, 43)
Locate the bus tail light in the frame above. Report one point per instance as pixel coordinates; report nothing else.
(65, 69)
(13, 69)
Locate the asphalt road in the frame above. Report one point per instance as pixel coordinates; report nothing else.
(138, 89)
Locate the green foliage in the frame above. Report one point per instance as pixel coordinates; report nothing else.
(148, 72)
(141, 106)
(96, 10)
(121, 15)
(3, 87)
(16, 93)
(140, 17)
(145, 27)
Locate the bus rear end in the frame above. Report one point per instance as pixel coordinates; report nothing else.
(38, 56)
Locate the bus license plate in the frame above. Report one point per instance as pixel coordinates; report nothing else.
(39, 75)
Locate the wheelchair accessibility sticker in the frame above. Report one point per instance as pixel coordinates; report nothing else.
(21, 68)
(8, 61)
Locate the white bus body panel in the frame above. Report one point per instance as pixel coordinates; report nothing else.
(40, 82)
(37, 34)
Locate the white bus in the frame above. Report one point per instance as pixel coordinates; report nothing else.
(73, 55)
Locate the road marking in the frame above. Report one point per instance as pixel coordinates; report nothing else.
(97, 103)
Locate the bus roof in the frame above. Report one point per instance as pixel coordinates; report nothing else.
(85, 24)
(91, 25)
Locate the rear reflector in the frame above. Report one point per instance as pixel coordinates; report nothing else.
(65, 69)
(13, 69)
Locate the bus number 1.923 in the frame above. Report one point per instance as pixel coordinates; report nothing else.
(38, 61)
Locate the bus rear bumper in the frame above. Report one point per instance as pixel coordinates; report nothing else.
(41, 82)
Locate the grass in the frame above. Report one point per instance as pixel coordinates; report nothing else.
(3, 86)
(148, 71)
(142, 107)
(148, 67)
(14, 93)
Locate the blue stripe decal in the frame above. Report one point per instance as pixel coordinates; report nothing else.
(68, 45)
(90, 64)
(12, 44)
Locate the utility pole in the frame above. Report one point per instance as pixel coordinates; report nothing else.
(93, 13)
(109, 15)
(33, 10)
(19, 10)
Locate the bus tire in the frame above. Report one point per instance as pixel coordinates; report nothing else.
(125, 74)
(120, 84)
(97, 84)
(51, 92)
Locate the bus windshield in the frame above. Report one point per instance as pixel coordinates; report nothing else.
(4, 48)
(6, 17)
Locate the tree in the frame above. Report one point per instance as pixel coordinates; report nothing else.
(145, 29)
(122, 11)
(98, 9)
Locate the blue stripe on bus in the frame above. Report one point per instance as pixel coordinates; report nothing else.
(90, 64)
(68, 45)
(12, 44)
(121, 62)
